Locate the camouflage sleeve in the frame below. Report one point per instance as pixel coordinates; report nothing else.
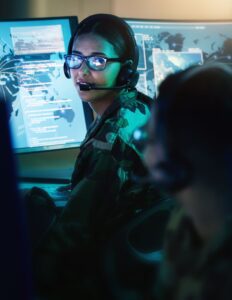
(94, 197)
(166, 282)
(70, 245)
(190, 268)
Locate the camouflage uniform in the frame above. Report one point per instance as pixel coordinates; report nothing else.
(102, 199)
(192, 270)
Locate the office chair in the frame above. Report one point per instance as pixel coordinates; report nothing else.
(133, 255)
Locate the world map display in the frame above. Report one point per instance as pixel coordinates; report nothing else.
(168, 47)
(44, 108)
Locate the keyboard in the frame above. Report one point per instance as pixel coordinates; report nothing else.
(52, 188)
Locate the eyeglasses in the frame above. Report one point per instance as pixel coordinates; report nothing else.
(96, 63)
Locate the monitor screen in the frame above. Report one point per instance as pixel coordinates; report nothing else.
(45, 110)
(169, 46)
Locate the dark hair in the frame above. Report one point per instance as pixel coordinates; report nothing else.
(197, 103)
(193, 111)
(115, 30)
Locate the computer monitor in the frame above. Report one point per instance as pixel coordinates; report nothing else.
(169, 46)
(46, 112)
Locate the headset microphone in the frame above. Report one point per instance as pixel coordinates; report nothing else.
(84, 86)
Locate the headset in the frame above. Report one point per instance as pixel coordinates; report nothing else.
(128, 75)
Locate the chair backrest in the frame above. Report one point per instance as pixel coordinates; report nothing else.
(14, 254)
(133, 256)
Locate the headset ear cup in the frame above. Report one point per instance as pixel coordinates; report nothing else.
(134, 79)
(67, 71)
(124, 75)
(127, 75)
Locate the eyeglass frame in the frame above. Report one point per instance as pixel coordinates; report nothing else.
(86, 60)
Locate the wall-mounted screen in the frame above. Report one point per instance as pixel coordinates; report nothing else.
(169, 46)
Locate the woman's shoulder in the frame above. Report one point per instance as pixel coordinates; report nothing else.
(144, 99)
(132, 114)
(136, 102)
(129, 112)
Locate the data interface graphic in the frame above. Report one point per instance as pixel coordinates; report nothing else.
(170, 46)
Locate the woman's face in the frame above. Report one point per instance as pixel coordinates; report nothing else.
(92, 44)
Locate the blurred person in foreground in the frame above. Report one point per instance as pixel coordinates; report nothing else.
(188, 152)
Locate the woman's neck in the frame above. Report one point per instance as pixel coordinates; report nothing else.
(99, 106)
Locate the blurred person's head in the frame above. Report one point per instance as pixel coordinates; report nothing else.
(189, 144)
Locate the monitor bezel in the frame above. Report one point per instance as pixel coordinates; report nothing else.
(179, 20)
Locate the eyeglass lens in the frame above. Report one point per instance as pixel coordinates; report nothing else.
(93, 62)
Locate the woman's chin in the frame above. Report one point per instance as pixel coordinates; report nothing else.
(85, 96)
